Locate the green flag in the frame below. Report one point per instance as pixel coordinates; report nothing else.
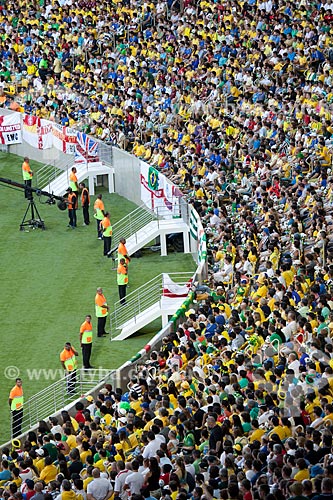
(153, 178)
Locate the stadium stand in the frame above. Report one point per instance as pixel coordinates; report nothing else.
(232, 100)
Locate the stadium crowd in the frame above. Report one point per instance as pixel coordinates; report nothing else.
(232, 101)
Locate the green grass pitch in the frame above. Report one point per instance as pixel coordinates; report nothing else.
(48, 284)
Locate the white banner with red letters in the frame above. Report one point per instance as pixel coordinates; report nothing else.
(37, 132)
(10, 129)
(64, 138)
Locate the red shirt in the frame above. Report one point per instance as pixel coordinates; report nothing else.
(248, 496)
(79, 417)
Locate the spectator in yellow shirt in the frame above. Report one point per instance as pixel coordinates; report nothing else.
(303, 471)
(49, 473)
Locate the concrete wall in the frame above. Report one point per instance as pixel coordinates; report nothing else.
(127, 175)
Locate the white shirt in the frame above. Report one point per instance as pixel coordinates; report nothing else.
(265, 416)
(120, 481)
(135, 482)
(294, 365)
(289, 329)
(151, 448)
(99, 488)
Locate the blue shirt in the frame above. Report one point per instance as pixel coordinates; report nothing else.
(5, 475)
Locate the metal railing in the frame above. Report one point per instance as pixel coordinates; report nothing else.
(55, 398)
(46, 174)
(135, 221)
(142, 298)
(50, 171)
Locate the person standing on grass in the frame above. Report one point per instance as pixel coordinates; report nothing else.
(69, 364)
(16, 406)
(107, 234)
(73, 183)
(27, 174)
(71, 205)
(122, 280)
(123, 252)
(86, 334)
(102, 309)
(85, 202)
(99, 215)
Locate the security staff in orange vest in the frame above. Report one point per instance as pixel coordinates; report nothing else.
(85, 202)
(73, 183)
(122, 281)
(101, 312)
(99, 215)
(86, 341)
(27, 174)
(122, 251)
(71, 204)
(16, 405)
(107, 234)
(69, 364)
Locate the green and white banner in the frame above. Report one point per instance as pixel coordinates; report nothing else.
(194, 218)
(198, 234)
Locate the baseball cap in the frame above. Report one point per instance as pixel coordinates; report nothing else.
(90, 399)
(145, 405)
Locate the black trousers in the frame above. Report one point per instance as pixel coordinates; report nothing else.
(72, 217)
(27, 191)
(107, 244)
(99, 230)
(122, 293)
(71, 382)
(17, 417)
(101, 322)
(86, 353)
(85, 210)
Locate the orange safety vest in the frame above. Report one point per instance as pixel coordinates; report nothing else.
(73, 181)
(99, 208)
(86, 332)
(72, 199)
(85, 193)
(26, 170)
(16, 395)
(100, 301)
(69, 359)
(122, 251)
(122, 278)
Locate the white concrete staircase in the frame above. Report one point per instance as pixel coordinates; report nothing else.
(161, 228)
(160, 297)
(59, 185)
(142, 226)
(163, 308)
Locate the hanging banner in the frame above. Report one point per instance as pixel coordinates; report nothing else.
(158, 193)
(64, 138)
(194, 222)
(10, 129)
(37, 132)
(86, 149)
(151, 193)
(172, 198)
(202, 245)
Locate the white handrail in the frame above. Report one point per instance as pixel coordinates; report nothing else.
(54, 398)
(142, 298)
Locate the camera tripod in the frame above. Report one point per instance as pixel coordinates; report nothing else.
(35, 221)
